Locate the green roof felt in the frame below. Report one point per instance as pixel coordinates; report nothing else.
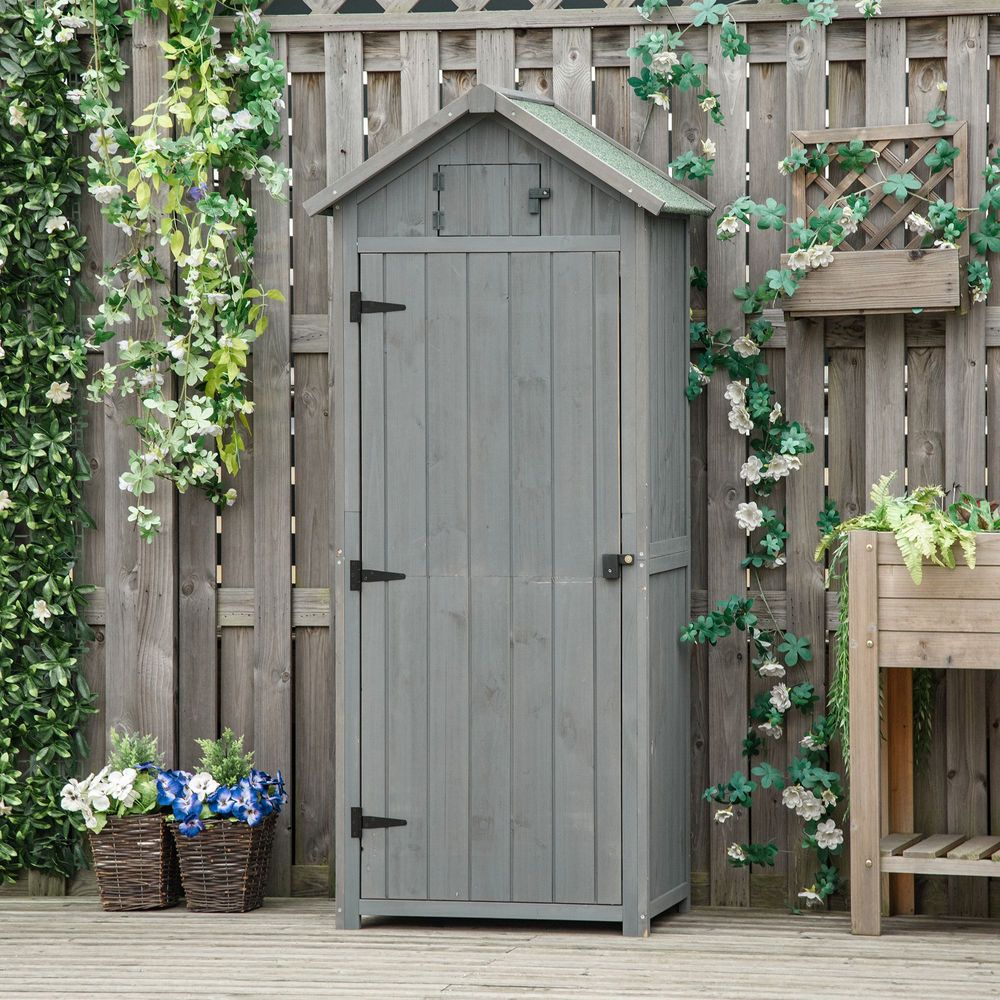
(676, 199)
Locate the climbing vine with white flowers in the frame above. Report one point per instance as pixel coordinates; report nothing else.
(175, 185)
(776, 444)
(44, 699)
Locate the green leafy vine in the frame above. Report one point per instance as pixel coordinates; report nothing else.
(44, 698)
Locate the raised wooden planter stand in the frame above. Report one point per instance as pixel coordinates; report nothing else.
(883, 269)
(950, 622)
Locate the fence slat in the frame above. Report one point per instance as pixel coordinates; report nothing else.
(805, 108)
(727, 661)
(965, 463)
(571, 61)
(495, 57)
(272, 509)
(419, 84)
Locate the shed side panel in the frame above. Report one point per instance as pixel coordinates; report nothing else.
(668, 559)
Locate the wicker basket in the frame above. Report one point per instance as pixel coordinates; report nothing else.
(135, 863)
(224, 867)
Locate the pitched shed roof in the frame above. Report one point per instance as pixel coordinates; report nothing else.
(606, 160)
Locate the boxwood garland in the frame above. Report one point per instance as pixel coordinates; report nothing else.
(43, 696)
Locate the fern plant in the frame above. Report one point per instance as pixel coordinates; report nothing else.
(224, 758)
(924, 531)
(132, 749)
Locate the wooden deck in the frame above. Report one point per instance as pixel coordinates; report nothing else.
(68, 948)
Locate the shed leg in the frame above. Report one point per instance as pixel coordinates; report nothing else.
(348, 918)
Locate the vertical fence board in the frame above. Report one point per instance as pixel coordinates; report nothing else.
(495, 57)
(272, 509)
(571, 83)
(805, 108)
(313, 691)
(419, 85)
(965, 463)
(727, 661)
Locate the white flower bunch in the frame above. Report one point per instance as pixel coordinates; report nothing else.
(749, 516)
(779, 698)
(736, 853)
(918, 224)
(89, 797)
(828, 835)
(803, 802)
(771, 668)
(810, 258)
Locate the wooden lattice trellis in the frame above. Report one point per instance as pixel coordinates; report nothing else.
(882, 268)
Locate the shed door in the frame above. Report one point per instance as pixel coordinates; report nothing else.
(491, 674)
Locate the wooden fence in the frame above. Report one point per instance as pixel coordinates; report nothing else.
(226, 620)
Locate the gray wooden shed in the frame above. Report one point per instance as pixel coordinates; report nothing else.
(510, 340)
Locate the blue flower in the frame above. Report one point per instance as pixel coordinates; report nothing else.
(198, 192)
(148, 766)
(191, 826)
(259, 780)
(221, 801)
(279, 788)
(252, 814)
(187, 805)
(169, 785)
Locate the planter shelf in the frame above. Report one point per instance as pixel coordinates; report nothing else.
(949, 621)
(882, 268)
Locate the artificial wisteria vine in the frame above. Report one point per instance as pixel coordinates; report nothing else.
(44, 698)
(178, 179)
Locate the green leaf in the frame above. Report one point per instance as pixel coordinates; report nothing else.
(795, 649)
(900, 185)
(942, 156)
(707, 12)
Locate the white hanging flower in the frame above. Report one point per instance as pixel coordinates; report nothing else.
(810, 807)
(727, 227)
(243, 120)
(177, 348)
(918, 225)
(55, 223)
(664, 61)
(5, 501)
(106, 193)
(103, 141)
(791, 796)
(821, 255)
(978, 293)
(58, 392)
(740, 420)
(829, 799)
(945, 245)
(736, 393)
(775, 414)
(749, 516)
(724, 814)
(828, 835)
(16, 114)
(751, 470)
(776, 562)
(203, 784)
(709, 103)
(72, 21)
(809, 742)
(746, 346)
(769, 729)
(219, 113)
(942, 86)
(65, 35)
(771, 668)
(779, 698)
(74, 96)
(40, 611)
(849, 221)
(708, 148)
(736, 853)
(798, 260)
(5, 810)
(811, 896)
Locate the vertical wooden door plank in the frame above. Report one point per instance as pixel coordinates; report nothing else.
(965, 462)
(273, 508)
(448, 577)
(885, 441)
(532, 517)
(313, 690)
(406, 728)
(490, 554)
(727, 661)
(804, 359)
(419, 77)
(495, 57)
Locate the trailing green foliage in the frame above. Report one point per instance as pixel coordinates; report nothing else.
(224, 758)
(43, 696)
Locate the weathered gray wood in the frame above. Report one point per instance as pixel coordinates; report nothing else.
(273, 511)
(420, 86)
(572, 87)
(965, 461)
(495, 57)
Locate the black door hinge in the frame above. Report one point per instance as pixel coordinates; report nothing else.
(360, 305)
(359, 822)
(535, 198)
(360, 575)
(612, 562)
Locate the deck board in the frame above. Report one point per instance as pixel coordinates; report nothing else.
(65, 947)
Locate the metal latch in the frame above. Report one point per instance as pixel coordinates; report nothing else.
(360, 575)
(612, 562)
(360, 305)
(359, 822)
(535, 198)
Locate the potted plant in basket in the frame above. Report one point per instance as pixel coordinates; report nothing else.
(134, 857)
(223, 825)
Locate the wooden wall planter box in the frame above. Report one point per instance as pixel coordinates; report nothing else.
(949, 621)
(882, 269)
